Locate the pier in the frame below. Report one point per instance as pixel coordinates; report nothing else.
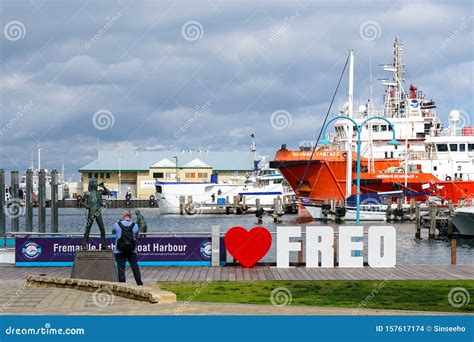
(10, 273)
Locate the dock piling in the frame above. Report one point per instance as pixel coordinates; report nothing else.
(432, 211)
(182, 201)
(257, 204)
(54, 201)
(388, 215)
(411, 212)
(2, 202)
(29, 201)
(15, 208)
(453, 252)
(42, 201)
(399, 211)
(417, 220)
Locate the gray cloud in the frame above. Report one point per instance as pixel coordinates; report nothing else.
(253, 58)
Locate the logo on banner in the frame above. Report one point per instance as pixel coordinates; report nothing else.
(31, 250)
(206, 249)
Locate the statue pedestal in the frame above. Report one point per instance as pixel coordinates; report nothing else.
(95, 265)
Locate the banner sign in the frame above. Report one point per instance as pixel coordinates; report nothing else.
(152, 251)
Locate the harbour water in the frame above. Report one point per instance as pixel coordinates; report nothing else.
(410, 251)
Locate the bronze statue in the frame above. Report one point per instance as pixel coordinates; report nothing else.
(142, 226)
(92, 200)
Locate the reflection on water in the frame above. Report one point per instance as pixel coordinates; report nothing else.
(410, 251)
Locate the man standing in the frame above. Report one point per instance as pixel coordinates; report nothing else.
(125, 247)
(142, 226)
(92, 200)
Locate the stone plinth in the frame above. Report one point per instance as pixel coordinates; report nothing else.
(95, 265)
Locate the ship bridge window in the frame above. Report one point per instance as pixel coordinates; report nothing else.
(453, 147)
(375, 128)
(442, 147)
(470, 147)
(383, 128)
(462, 147)
(278, 181)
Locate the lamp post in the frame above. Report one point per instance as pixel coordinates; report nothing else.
(325, 141)
(177, 170)
(119, 176)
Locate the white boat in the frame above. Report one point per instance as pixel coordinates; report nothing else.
(204, 195)
(368, 212)
(463, 220)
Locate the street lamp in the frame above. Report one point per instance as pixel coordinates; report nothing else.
(325, 141)
(176, 158)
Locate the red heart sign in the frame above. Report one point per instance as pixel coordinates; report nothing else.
(248, 247)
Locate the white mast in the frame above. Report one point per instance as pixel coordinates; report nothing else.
(350, 126)
(39, 156)
(32, 163)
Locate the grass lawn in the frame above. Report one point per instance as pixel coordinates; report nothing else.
(424, 295)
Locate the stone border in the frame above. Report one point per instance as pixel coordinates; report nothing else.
(142, 293)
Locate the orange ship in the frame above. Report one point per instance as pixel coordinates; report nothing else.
(326, 177)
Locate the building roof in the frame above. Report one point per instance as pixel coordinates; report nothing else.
(143, 160)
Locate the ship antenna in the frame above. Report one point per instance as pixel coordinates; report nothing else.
(321, 130)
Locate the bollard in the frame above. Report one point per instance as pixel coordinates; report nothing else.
(15, 208)
(453, 252)
(215, 245)
(29, 201)
(41, 201)
(54, 201)
(417, 221)
(2, 202)
(432, 220)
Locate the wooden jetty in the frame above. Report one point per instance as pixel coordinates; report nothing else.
(9, 273)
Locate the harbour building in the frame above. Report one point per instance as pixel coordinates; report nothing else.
(137, 171)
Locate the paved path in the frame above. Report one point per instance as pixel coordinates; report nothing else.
(15, 299)
(233, 273)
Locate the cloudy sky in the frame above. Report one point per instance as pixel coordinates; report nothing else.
(78, 76)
